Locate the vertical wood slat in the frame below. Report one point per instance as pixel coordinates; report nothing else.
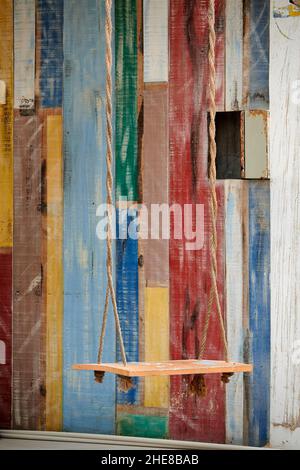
(256, 144)
(156, 41)
(28, 276)
(127, 183)
(87, 406)
(157, 344)
(258, 350)
(285, 220)
(236, 252)
(50, 76)
(54, 272)
(24, 54)
(259, 54)
(5, 336)
(234, 55)
(189, 270)
(6, 124)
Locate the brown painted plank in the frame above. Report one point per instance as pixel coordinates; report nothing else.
(29, 316)
(156, 252)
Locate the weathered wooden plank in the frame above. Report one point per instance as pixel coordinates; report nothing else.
(189, 270)
(234, 55)
(85, 407)
(5, 336)
(54, 272)
(285, 219)
(156, 40)
(236, 249)
(258, 350)
(6, 123)
(256, 144)
(29, 388)
(157, 343)
(259, 54)
(156, 162)
(126, 99)
(127, 297)
(50, 14)
(142, 426)
(24, 54)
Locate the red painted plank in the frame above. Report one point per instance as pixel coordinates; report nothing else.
(5, 336)
(193, 418)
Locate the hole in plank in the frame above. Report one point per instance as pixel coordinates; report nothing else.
(230, 155)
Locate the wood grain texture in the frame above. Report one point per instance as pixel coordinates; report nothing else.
(24, 54)
(87, 406)
(258, 349)
(189, 270)
(5, 337)
(6, 124)
(127, 298)
(161, 368)
(157, 343)
(234, 55)
(285, 219)
(156, 41)
(256, 144)
(126, 99)
(236, 249)
(29, 387)
(142, 426)
(50, 14)
(156, 176)
(259, 54)
(54, 272)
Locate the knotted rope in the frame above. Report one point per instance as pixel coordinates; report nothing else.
(110, 291)
(213, 206)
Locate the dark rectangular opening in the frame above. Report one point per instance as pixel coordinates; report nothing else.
(229, 161)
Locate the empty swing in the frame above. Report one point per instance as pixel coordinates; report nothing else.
(197, 367)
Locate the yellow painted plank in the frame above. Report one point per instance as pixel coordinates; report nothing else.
(157, 344)
(6, 123)
(54, 273)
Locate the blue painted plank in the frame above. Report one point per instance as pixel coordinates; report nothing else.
(50, 14)
(127, 296)
(87, 406)
(259, 54)
(258, 387)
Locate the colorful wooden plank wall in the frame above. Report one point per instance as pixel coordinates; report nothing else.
(58, 171)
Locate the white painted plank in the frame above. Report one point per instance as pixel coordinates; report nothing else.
(285, 230)
(256, 144)
(235, 213)
(234, 55)
(156, 41)
(24, 53)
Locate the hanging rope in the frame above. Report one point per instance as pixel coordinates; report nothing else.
(214, 294)
(110, 291)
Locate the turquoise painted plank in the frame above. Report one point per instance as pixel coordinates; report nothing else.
(258, 383)
(87, 406)
(127, 298)
(143, 426)
(51, 73)
(259, 54)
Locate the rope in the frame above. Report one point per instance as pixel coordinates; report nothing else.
(110, 291)
(214, 294)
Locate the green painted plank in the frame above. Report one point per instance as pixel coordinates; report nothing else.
(142, 426)
(126, 99)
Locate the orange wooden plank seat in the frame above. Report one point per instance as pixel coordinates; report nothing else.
(186, 367)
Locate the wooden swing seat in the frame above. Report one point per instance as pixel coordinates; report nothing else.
(186, 367)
